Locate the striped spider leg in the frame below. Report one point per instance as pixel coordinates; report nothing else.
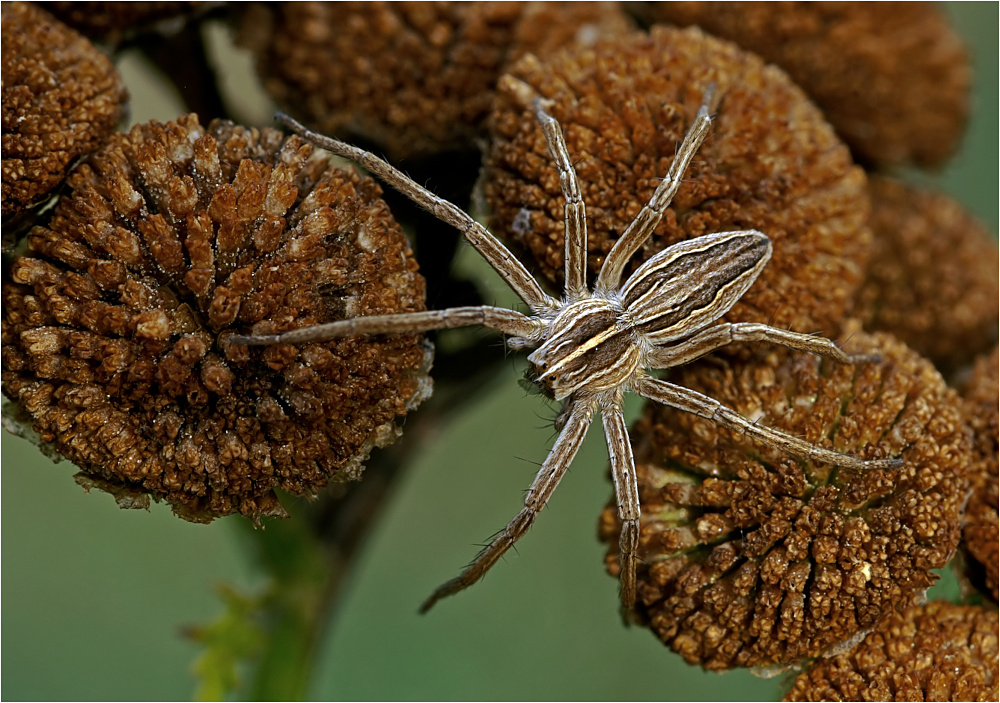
(592, 346)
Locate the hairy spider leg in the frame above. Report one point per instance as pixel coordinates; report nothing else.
(640, 229)
(626, 494)
(723, 334)
(575, 211)
(509, 322)
(701, 405)
(489, 247)
(553, 469)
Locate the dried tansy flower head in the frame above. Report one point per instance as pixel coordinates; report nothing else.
(932, 280)
(772, 164)
(415, 77)
(981, 536)
(61, 99)
(112, 21)
(751, 557)
(893, 79)
(174, 238)
(936, 652)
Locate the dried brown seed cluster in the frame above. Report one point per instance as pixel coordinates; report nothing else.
(174, 238)
(981, 535)
(415, 77)
(772, 163)
(111, 21)
(937, 652)
(751, 557)
(932, 280)
(62, 98)
(892, 79)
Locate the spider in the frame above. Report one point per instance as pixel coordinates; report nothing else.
(592, 346)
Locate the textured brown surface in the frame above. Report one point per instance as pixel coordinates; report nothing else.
(61, 99)
(932, 279)
(981, 536)
(772, 164)
(892, 78)
(415, 77)
(752, 557)
(938, 652)
(173, 238)
(111, 21)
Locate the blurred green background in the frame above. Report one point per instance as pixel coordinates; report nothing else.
(95, 598)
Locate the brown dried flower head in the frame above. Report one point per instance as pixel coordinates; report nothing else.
(772, 164)
(173, 238)
(936, 652)
(113, 21)
(415, 77)
(751, 557)
(893, 79)
(62, 98)
(981, 535)
(932, 279)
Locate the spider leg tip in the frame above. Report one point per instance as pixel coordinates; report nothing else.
(253, 340)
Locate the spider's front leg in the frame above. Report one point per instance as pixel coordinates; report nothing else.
(541, 490)
(522, 327)
(626, 492)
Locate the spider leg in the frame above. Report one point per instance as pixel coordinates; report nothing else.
(575, 232)
(489, 247)
(541, 490)
(627, 492)
(647, 219)
(712, 338)
(708, 408)
(500, 319)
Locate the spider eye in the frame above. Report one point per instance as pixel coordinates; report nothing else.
(531, 385)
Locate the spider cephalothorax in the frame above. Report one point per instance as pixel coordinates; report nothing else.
(593, 345)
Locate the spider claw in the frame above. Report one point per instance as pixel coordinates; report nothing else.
(446, 589)
(428, 604)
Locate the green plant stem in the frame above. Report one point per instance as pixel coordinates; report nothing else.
(308, 556)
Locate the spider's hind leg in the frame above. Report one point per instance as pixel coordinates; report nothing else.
(701, 405)
(649, 217)
(725, 333)
(575, 211)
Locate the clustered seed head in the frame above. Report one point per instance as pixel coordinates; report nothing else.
(752, 557)
(932, 279)
(893, 80)
(935, 652)
(111, 21)
(981, 534)
(415, 77)
(173, 238)
(62, 98)
(771, 163)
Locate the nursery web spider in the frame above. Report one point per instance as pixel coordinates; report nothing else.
(591, 346)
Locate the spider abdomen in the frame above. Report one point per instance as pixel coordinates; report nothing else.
(589, 347)
(693, 283)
